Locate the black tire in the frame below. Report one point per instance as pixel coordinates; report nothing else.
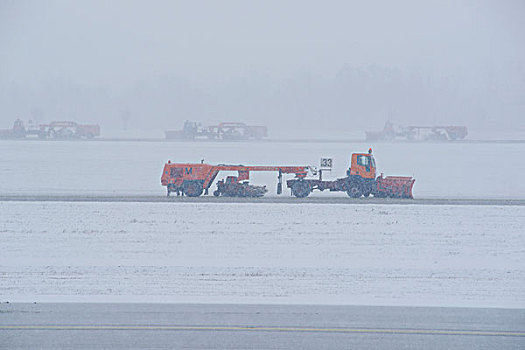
(354, 190)
(168, 188)
(403, 193)
(301, 189)
(192, 188)
(216, 193)
(366, 194)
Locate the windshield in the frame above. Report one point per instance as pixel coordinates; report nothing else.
(363, 160)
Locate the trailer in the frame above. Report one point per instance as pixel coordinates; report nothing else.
(238, 131)
(227, 131)
(392, 132)
(194, 179)
(68, 130)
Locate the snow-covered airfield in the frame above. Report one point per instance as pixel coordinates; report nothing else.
(446, 255)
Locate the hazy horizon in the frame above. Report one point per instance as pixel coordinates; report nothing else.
(333, 65)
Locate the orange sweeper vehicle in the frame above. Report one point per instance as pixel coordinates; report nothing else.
(194, 179)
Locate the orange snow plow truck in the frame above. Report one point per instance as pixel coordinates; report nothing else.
(194, 179)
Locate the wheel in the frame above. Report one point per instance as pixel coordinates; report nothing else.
(301, 189)
(192, 189)
(368, 189)
(216, 193)
(354, 190)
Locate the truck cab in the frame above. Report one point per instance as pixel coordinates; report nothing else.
(361, 177)
(363, 165)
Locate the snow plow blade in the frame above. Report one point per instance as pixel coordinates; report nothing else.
(395, 186)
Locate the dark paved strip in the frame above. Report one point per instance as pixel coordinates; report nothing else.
(229, 326)
(285, 199)
(334, 140)
(268, 329)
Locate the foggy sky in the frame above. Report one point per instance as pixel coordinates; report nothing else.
(329, 64)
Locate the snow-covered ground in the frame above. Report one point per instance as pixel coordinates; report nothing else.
(120, 168)
(263, 253)
(256, 252)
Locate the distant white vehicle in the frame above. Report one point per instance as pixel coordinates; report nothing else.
(392, 132)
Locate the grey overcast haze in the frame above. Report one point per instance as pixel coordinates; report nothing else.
(333, 65)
